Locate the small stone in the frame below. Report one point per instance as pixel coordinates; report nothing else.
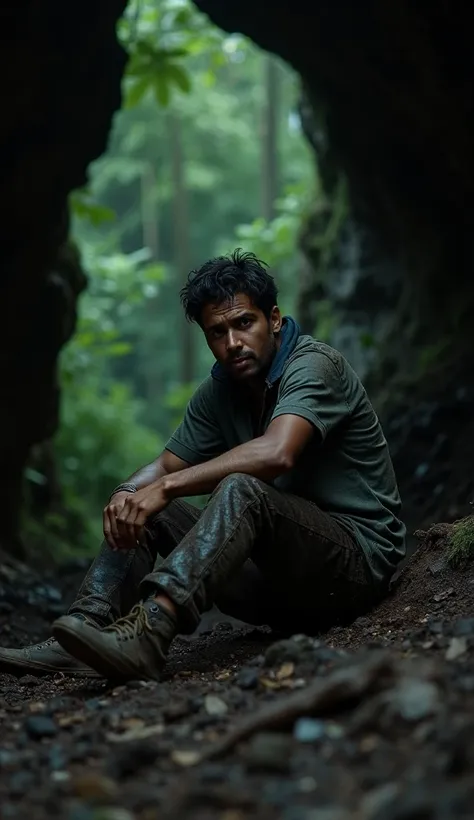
(268, 751)
(214, 773)
(307, 785)
(176, 710)
(20, 782)
(438, 566)
(39, 726)
(414, 699)
(57, 758)
(308, 730)
(457, 647)
(441, 596)
(7, 759)
(376, 801)
(94, 787)
(60, 777)
(28, 680)
(130, 758)
(185, 757)
(215, 706)
(463, 627)
(247, 678)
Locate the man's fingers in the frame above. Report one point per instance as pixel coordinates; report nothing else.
(126, 524)
(113, 512)
(108, 530)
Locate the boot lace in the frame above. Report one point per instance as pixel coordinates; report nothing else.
(46, 643)
(131, 625)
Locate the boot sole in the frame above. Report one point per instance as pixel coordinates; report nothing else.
(18, 669)
(80, 649)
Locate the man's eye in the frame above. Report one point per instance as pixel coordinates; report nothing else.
(245, 321)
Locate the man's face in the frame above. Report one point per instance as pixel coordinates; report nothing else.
(241, 338)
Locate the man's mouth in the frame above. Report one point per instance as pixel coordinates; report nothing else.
(240, 362)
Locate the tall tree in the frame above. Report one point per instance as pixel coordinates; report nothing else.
(270, 126)
(181, 236)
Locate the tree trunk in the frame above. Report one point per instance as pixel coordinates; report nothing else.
(270, 121)
(150, 225)
(181, 238)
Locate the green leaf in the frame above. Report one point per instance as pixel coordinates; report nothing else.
(179, 76)
(162, 91)
(83, 208)
(35, 477)
(135, 91)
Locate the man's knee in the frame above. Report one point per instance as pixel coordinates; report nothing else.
(240, 484)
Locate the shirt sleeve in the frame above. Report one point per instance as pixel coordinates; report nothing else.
(199, 437)
(313, 388)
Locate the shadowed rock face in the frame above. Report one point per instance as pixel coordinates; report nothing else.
(62, 70)
(391, 87)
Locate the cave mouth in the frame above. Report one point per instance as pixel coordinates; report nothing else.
(388, 113)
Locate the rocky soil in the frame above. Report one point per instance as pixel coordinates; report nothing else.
(374, 721)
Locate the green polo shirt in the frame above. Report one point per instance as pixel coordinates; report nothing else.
(346, 469)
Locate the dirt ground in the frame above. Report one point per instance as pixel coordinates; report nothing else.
(374, 721)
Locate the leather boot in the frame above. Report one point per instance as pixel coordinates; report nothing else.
(47, 658)
(132, 648)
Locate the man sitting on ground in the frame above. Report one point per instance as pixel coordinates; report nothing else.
(302, 527)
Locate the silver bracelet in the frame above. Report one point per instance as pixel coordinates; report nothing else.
(126, 487)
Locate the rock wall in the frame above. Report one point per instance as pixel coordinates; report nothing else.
(62, 69)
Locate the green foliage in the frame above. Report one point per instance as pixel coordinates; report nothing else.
(275, 241)
(83, 206)
(161, 38)
(461, 542)
(100, 440)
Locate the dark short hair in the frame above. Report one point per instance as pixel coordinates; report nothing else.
(220, 279)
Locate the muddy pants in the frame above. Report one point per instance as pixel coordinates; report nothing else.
(260, 555)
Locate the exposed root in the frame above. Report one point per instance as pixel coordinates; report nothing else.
(343, 688)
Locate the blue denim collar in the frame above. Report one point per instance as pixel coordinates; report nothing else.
(290, 333)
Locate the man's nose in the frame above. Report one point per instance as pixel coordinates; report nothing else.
(233, 341)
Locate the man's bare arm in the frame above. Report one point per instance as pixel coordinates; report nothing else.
(265, 457)
(165, 464)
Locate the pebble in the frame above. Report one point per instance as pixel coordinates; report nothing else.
(457, 647)
(268, 751)
(247, 678)
(39, 726)
(176, 710)
(308, 730)
(215, 706)
(464, 627)
(415, 699)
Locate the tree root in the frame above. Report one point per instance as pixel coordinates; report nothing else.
(342, 689)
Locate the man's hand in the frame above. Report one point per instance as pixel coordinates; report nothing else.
(134, 512)
(110, 515)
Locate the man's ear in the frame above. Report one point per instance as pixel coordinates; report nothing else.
(275, 320)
